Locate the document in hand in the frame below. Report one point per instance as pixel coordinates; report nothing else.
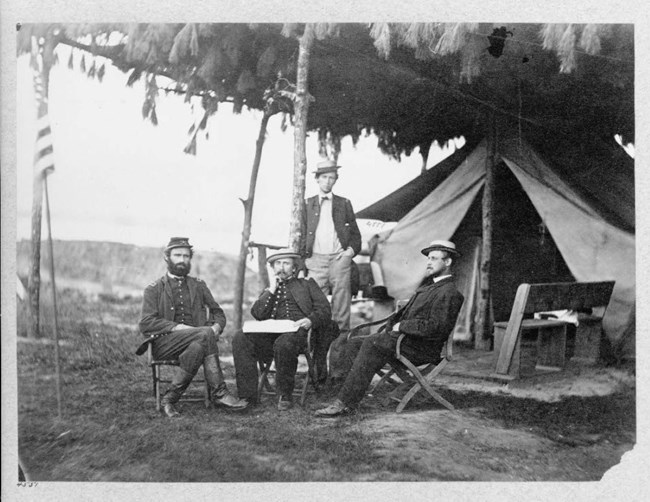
(270, 326)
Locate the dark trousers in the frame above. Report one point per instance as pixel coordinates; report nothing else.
(189, 346)
(249, 348)
(373, 353)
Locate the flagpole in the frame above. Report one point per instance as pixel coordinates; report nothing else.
(56, 316)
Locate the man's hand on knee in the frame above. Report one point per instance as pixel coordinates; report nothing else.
(216, 330)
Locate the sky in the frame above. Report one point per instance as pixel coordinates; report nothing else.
(119, 178)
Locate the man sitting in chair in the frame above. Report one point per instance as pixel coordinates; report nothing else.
(182, 321)
(426, 321)
(288, 298)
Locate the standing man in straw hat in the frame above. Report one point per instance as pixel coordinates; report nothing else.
(287, 298)
(330, 239)
(426, 320)
(175, 322)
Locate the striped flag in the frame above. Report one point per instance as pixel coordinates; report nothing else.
(44, 157)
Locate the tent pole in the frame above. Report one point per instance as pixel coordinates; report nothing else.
(57, 362)
(484, 324)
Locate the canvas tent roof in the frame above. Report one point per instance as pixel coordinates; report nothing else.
(594, 240)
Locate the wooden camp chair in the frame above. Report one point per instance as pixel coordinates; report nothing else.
(410, 377)
(264, 387)
(157, 364)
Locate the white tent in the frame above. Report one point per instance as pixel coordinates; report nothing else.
(591, 247)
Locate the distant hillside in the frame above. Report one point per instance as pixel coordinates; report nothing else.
(110, 267)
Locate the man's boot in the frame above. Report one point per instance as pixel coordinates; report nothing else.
(219, 393)
(180, 382)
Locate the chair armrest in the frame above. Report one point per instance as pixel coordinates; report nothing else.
(399, 344)
(353, 332)
(309, 348)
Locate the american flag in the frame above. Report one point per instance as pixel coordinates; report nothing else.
(44, 157)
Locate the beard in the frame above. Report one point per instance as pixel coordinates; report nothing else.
(179, 269)
(283, 276)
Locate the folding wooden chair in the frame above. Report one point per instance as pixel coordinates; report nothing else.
(409, 375)
(420, 379)
(264, 387)
(156, 365)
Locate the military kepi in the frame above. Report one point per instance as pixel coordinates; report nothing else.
(178, 242)
(441, 245)
(326, 166)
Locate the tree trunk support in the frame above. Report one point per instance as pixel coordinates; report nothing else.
(484, 321)
(301, 108)
(238, 301)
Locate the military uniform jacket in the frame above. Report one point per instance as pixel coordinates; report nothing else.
(345, 224)
(311, 301)
(158, 306)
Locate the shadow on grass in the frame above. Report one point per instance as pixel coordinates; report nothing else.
(574, 420)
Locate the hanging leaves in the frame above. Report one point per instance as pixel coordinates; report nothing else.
(82, 66)
(562, 39)
(290, 30)
(134, 76)
(246, 82)
(266, 61)
(92, 70)
(101, 71)
(190, 149)
(325, 30)
(380, 32)
(186, 42)
(470, 60)
(71, 61)
(149, 105)
(454, 36)
(590, 39)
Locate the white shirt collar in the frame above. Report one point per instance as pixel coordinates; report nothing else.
(441, 277)
(172, 276)
(322, 195)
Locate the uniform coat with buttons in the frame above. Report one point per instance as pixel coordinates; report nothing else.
(306, 293)
(158, 307)
(284, 348)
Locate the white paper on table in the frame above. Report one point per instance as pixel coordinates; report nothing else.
(270, 326)
(569, 316)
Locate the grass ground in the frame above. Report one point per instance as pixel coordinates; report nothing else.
(110, 430)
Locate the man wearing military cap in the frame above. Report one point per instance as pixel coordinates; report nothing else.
(287, 298)
(330, 239)
(426, 321)
(182, 321)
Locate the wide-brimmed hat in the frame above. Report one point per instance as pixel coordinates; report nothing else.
(282, 253)
(378, 293)
(178, 242)
(326, 166)
(441, 245)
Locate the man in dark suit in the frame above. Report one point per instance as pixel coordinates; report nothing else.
(427, 320)
(182, 320)
(287, 298)
(330, 239)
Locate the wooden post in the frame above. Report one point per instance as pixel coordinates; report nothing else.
(261, 265)
(34, 283)
(301, 108)
(238, 300)
(57, 364)
(483, 325)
